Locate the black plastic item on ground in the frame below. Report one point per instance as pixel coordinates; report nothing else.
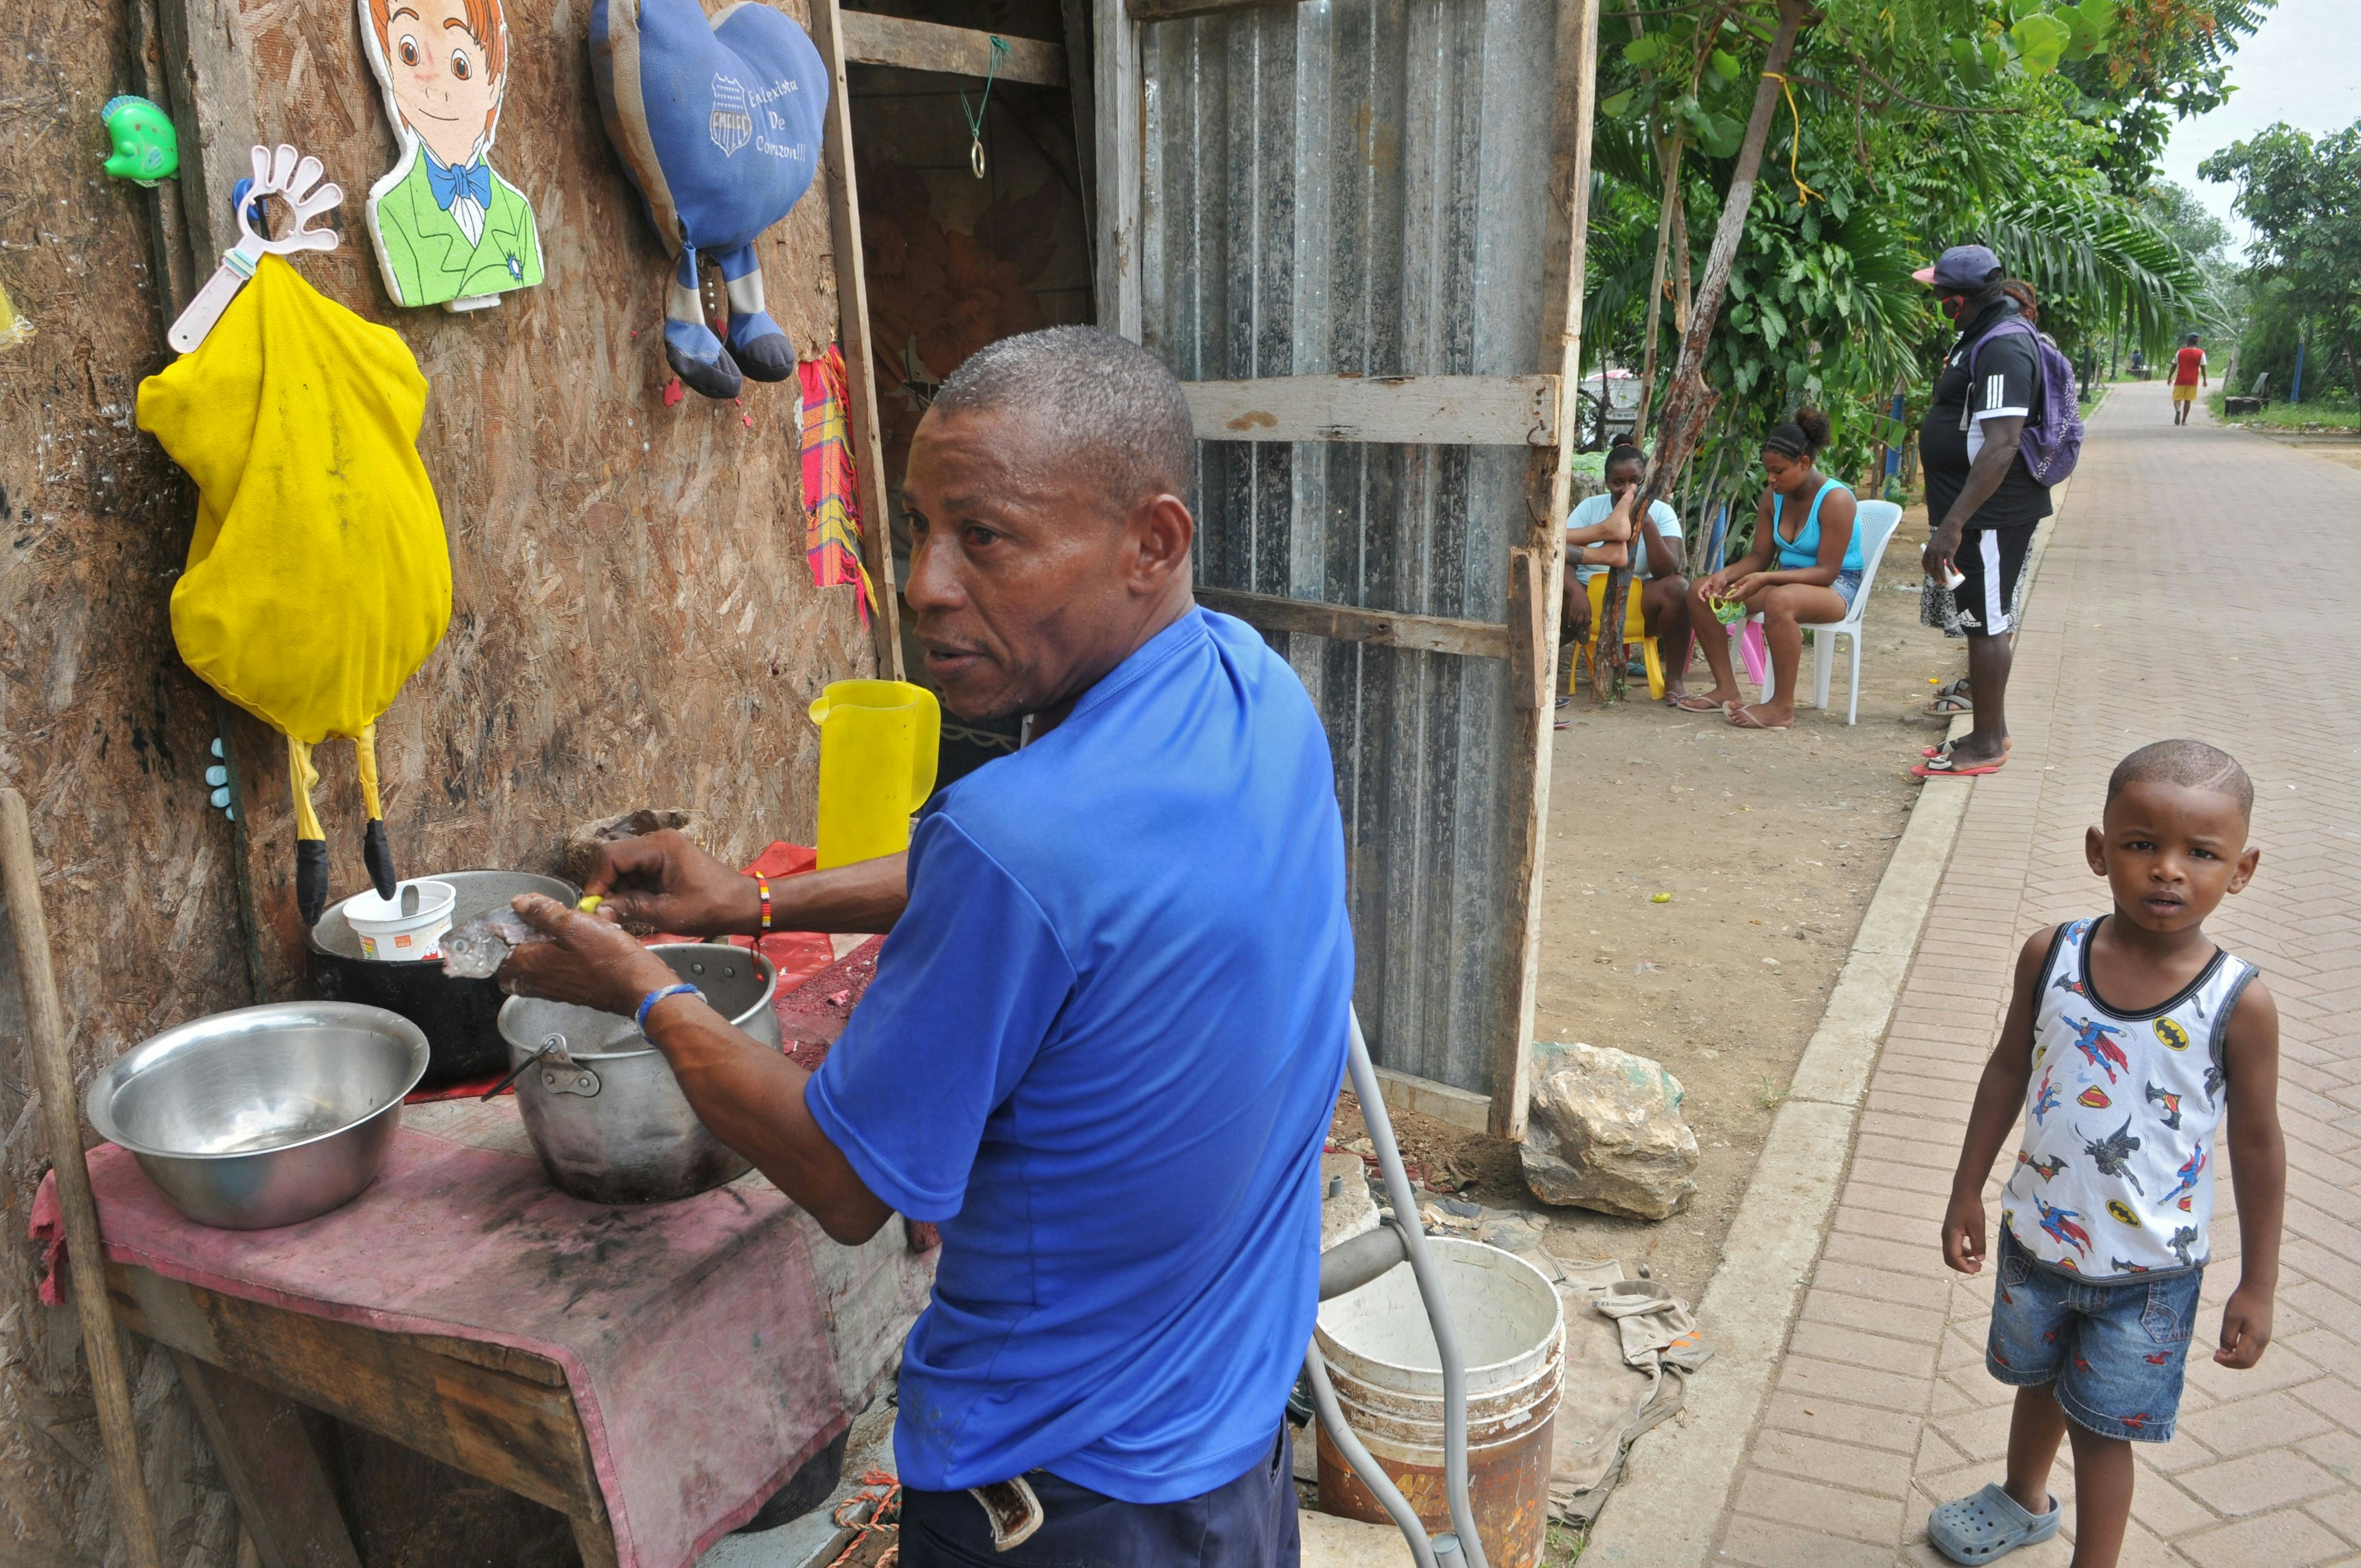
(460, 1017)
(807, 1489)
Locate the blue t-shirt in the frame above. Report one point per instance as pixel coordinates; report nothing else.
(1100, 1049)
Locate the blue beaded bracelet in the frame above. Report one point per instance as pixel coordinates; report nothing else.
(652, 997)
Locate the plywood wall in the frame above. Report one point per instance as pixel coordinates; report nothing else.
(633, 621)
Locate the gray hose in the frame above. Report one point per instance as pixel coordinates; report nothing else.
(1430, 1289)
(1380, 1485)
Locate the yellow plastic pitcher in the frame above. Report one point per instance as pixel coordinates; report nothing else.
(878, 745)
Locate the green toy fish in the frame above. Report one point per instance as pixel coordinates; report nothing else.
(147, 149)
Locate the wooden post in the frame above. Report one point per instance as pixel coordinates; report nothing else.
(860, 355)
(1114, 70)
(1538, 565)
(274, 1475)
(1688, 403)
(45, 1033)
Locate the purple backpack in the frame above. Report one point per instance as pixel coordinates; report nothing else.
(2053, 432)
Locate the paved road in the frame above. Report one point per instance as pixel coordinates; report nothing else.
(2201, 582)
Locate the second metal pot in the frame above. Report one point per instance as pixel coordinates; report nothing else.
(609, 1119)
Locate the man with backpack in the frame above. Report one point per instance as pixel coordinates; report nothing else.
(2002, 430)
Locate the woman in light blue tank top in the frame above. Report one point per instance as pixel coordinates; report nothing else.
(1802, 569)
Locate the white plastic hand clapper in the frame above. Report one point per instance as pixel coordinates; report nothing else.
(294, 182)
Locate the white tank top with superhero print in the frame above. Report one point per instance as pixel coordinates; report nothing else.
(2115, 1176)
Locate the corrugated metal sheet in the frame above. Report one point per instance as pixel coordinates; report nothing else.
(1358, 186)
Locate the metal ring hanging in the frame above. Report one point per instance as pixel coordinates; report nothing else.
(975, 115)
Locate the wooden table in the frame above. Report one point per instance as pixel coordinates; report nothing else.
(505, 1416)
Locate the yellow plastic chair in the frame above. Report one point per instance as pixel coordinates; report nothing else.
(1634, 631)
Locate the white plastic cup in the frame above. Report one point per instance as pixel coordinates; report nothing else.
(388, 935)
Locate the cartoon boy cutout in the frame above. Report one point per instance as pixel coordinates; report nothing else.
(448, 230)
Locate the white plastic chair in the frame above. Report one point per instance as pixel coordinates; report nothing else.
(1875, 522)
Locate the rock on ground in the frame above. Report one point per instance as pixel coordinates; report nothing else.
(1605, 1133)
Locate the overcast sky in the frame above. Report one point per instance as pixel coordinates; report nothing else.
(2302, 65)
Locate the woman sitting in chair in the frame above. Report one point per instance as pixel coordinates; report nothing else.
(1803, 570)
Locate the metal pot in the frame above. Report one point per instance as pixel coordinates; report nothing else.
(460, 1017)
(603, 1109)
(265, 1115)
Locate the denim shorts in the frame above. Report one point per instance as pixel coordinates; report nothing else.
(1847, 585)
(2116, 1348)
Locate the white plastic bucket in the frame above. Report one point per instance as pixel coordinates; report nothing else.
(388, 935)
(1379, 1350)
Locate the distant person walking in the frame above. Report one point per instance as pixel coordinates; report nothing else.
(1981, 492)
(2187, 375)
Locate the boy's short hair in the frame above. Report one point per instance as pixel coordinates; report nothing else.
(2191, 764)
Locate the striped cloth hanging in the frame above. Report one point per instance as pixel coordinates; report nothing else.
(831, 495)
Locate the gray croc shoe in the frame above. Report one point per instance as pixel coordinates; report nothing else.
(1987, 1526)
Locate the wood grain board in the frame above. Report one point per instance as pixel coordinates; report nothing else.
(1351, 623)
(872, 37)
(633, 621)
(1450, 410)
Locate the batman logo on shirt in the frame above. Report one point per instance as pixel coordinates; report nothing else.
(2169, 1031)
(2120, 1212)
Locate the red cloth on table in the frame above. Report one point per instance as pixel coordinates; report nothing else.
(712, 1345)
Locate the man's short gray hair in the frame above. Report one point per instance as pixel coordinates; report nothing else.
(1108, 402)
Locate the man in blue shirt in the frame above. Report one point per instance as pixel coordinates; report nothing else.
(1109, 1022)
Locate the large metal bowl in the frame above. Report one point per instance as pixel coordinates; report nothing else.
(612, 1125)
(265, 1115)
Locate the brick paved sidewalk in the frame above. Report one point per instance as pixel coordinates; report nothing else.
(2196, 580)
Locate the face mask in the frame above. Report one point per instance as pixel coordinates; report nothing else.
(1954, 305)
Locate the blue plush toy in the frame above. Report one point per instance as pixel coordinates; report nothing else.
(719, 125)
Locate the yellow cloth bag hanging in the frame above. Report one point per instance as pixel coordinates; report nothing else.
(319, 577)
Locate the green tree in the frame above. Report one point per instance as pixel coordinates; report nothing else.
(2303, 197)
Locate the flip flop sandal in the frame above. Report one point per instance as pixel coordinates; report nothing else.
(1741, 719)
(1988, 1526)
(1948, 705)
(1697, 702)
(2007, 745)
(1944, 767)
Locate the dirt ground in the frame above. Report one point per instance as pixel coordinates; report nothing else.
(1771, 846)
(2345, 449)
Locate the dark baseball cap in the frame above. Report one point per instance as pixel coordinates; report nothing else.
(1961, 267)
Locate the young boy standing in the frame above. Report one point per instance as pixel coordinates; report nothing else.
(2129, 1040)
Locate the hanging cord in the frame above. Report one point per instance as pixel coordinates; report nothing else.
(975, 115)
(1802, 192)
(882, 1495)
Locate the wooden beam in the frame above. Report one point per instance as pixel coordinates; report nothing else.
(873, 38)
(1549, 478)
(519, 1432)
(274, 1475)
(1530, 664)
(1444, 411)
(1174, 10)
(1349, 623)
(1116, 77)
(853, 333)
